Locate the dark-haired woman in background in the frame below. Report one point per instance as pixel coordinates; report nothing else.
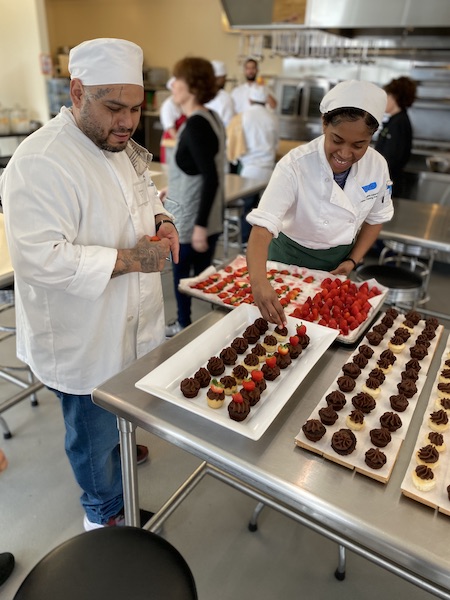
(395, 139)
(195, 194)
(326, 201)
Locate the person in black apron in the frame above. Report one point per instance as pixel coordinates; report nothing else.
(326, 201)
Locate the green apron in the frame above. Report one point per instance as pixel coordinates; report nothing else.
(283, 249)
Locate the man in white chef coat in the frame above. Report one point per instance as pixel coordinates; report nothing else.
(240, 94)
(81, 215)
(222, 103)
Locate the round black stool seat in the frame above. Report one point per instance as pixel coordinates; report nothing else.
(112, 563)
(404, 285)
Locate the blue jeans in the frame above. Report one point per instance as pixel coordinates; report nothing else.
(190, 263)
(91, 445)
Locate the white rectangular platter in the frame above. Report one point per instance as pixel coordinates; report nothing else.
(164, 381)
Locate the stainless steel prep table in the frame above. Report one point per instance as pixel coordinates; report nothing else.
(368, 517)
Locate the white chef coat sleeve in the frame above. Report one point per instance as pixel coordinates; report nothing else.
(41, 231)
(280, 194)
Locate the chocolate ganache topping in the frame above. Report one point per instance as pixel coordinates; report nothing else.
(228, 355)
(439, 417)
(407, 387)
(402, 333)
(366, 350)
(375, 458)
(418, 351)
(399, 402)
(357, 416)
(270, 373)
(410, 374)
(336, 399)
(352, 370)
(378, 374)
(240, 372)
(252, 397)
(262, 325)
(388, 355)
(346, 383)
(448, 491)
(380, 437)
(281, 331)
(343, 441)
(373, 383)
(328, 415)
(364, 402)
(215, 395)
(444, 388)
(424, 472)
(239, 344)
(360, 360)
(215, 366)
(429, 332)
(304, 340)
(380, 328)
(396, 340)
(294, 351)
(387, 320)
(435, 438)
(414, 316)
(313, 430)
(283, 360)
(228, 381)
(259, 350)
(423, 340)
(374, 338)
(408, 324)
(445, 373)
(203, 377)
(251, 334)
(413, 363)
(391, 421)
(445, 403)
(428, 454)
(251, 360)
(270, 340)
(432, 322)
(393, 312)
(383, 363)
(189, 387)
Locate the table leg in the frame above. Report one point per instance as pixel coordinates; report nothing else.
(127, 435)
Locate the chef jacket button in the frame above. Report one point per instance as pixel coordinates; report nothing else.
(130, 318)
(327, 179)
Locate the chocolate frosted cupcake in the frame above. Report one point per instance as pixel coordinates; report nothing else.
(228, 355)
(239, 344)
(336, 399)
(414, 316)
(343, 442)
(229, 384)
(399, 402)
(384, 365)
(428, 455)
(372, 387)
(352, 370)
(393, 312)
(423, 478)
(413, 363)
(251, 334)
(270, 343)
(360, 360)
(283, 360)
(364, 402)
(432, 322)
(280, 333)
(260, 352)
(378, 374)
(328, 415)
(381, 328)
(238, 409)
(403, 333)
(418, 351)
(409, 374)
(203, 377)
(429, 332)
(390, 421)
(189, 387)
(438, 421)
(215, 366)
(423, 340)
(388, 320)
(270, 373)
(355, 420)
(261, 385)
(389, 356)
(252, 397)
(396, 344)
(304, 340)
(313, 430)
(435, 438)
(380, 437)
(239, 373)
(366, 351)
(374, 338)
(407, 387)
(408, 324)
(262, 325)
(294, 351)
(346, 383)
(251, 362)
(375, 458)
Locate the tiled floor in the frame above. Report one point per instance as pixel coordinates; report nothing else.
(40, 509)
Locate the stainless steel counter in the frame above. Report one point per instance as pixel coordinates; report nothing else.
(371, 518)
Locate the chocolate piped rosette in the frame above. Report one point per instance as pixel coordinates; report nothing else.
(427, 479)
(365, 413)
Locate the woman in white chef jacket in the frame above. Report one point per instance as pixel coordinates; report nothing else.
(326, 201)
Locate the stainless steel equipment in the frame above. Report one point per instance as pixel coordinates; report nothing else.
(298, 106)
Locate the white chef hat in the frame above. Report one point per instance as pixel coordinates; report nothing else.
(106, 61)
(219, 67)
(258, 93)
(356, 94)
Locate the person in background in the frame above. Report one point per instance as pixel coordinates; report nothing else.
(327, 200)
(195, 193)
(6, 558)
(240, 94)
(171, 119)
(81, 213)
(222, 103)
(259, 127)
(395, 138)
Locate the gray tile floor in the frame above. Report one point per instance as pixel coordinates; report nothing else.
(40, 509)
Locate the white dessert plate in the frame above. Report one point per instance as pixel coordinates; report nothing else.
(164, 381)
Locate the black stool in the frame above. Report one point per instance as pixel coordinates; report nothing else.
(113, 563)
(405, 287)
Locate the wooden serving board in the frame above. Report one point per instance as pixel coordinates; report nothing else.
(437, 498)
(356, 460)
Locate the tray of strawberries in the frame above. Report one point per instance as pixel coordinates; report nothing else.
(306, 294)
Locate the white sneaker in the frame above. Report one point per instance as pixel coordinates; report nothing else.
(113, 522)
(173, 328)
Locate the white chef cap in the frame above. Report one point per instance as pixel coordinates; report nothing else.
(219, 67)
(106, 61)
(258, 93)
(356, 94)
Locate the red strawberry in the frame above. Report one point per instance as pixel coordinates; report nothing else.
(216, 386)
(248, 384)
(271, 361)
(294, 340)
(257, 375)
(301, 329)
(238, 397)
(283, 349)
